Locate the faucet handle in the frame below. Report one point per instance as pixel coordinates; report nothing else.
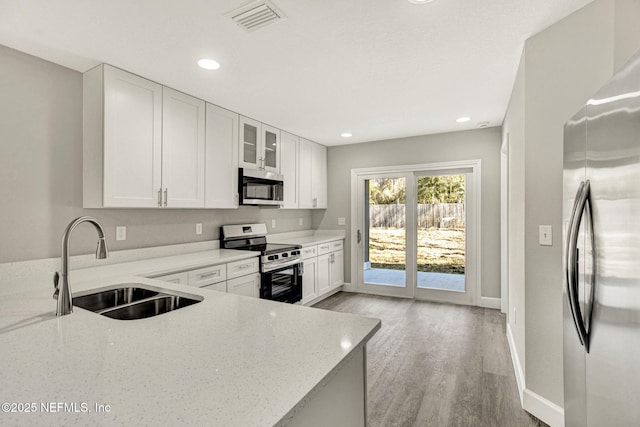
(56, 279)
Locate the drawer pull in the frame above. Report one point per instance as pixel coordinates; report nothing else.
(213, 273)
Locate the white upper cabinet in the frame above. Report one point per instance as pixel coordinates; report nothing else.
(259, 145)
(312, 175)
(289, 169)
(122, 139)
(150, 146)
(221, 153)
(143, 144)
(319, 176)
(183, 149)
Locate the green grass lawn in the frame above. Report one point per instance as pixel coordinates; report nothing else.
(439, 250)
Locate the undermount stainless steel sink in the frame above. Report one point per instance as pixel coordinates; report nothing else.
(133, 301)
(112, 298)
(149, 308)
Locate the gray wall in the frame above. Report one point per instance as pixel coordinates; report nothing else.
(481, 144)
(561, 68)
(41, 174)
(513, 134)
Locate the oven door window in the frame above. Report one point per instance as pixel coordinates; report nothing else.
(282, 285)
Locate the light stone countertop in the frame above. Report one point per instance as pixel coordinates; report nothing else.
(307, 238)
(226, 361)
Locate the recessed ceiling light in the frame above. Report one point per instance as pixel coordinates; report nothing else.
(208, 64)
(483, 124)
(463, 119)
(346, 135)
(420, 1)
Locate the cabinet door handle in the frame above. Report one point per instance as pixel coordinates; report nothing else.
(166, 196)
(160, 198)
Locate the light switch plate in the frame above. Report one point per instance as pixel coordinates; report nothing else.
(198, 228)
(121, 233)
(546, 235)
(273, 223)
(341, 221)
(300, 222)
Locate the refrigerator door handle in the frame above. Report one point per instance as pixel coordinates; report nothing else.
(571, 271)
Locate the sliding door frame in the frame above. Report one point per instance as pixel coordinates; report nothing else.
(473, 269)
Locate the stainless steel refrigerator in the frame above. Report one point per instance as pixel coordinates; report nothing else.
(601, 218)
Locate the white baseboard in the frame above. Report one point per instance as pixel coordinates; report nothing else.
(544, 409)
(532, 402)
(348, 287)
(517, 367)
(488, 302)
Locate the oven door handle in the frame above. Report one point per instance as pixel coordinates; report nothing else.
(280, 264)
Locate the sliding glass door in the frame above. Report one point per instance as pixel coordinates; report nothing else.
(414, 232)
(383, 234)
(441, 236)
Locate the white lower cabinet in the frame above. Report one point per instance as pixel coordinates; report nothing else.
(208, 276)
(324, 267)
(177, 278)
(309, 275)
(238, 277)
(336, 269)
(220, 287)
(323, 270)
(246, 285)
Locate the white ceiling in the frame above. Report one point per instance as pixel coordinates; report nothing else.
(377, 68)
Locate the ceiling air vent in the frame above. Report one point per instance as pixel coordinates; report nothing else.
(256, 14)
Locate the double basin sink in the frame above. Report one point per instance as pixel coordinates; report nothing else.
(134, 301)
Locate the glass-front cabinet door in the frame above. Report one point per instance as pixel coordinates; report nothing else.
(259, 145)
(271, 158)
(250, 143)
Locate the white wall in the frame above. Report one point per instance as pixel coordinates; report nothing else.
(481, 144)
(561, 68)
(41, 174)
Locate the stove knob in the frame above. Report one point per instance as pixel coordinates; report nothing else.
(295, 253)
(285, 255)
(272, 257)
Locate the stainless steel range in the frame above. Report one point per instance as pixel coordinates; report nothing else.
(280, 264)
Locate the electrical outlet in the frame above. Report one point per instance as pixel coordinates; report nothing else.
(273, 223)
(300, 222)
(198, 228)
(121, 233)
(546, 235)
(342, 221)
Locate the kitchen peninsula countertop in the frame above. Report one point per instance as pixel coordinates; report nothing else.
(226, 361)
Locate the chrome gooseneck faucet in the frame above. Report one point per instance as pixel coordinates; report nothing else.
(63, 293)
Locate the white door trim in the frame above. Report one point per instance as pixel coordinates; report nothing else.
(473, 164)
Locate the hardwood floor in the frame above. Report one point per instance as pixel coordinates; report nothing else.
(434, 364)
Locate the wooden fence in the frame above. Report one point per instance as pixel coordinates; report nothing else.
(438, 215)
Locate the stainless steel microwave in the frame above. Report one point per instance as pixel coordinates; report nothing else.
(260, 188)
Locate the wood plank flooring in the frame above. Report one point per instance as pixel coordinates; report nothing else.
(434, 364)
